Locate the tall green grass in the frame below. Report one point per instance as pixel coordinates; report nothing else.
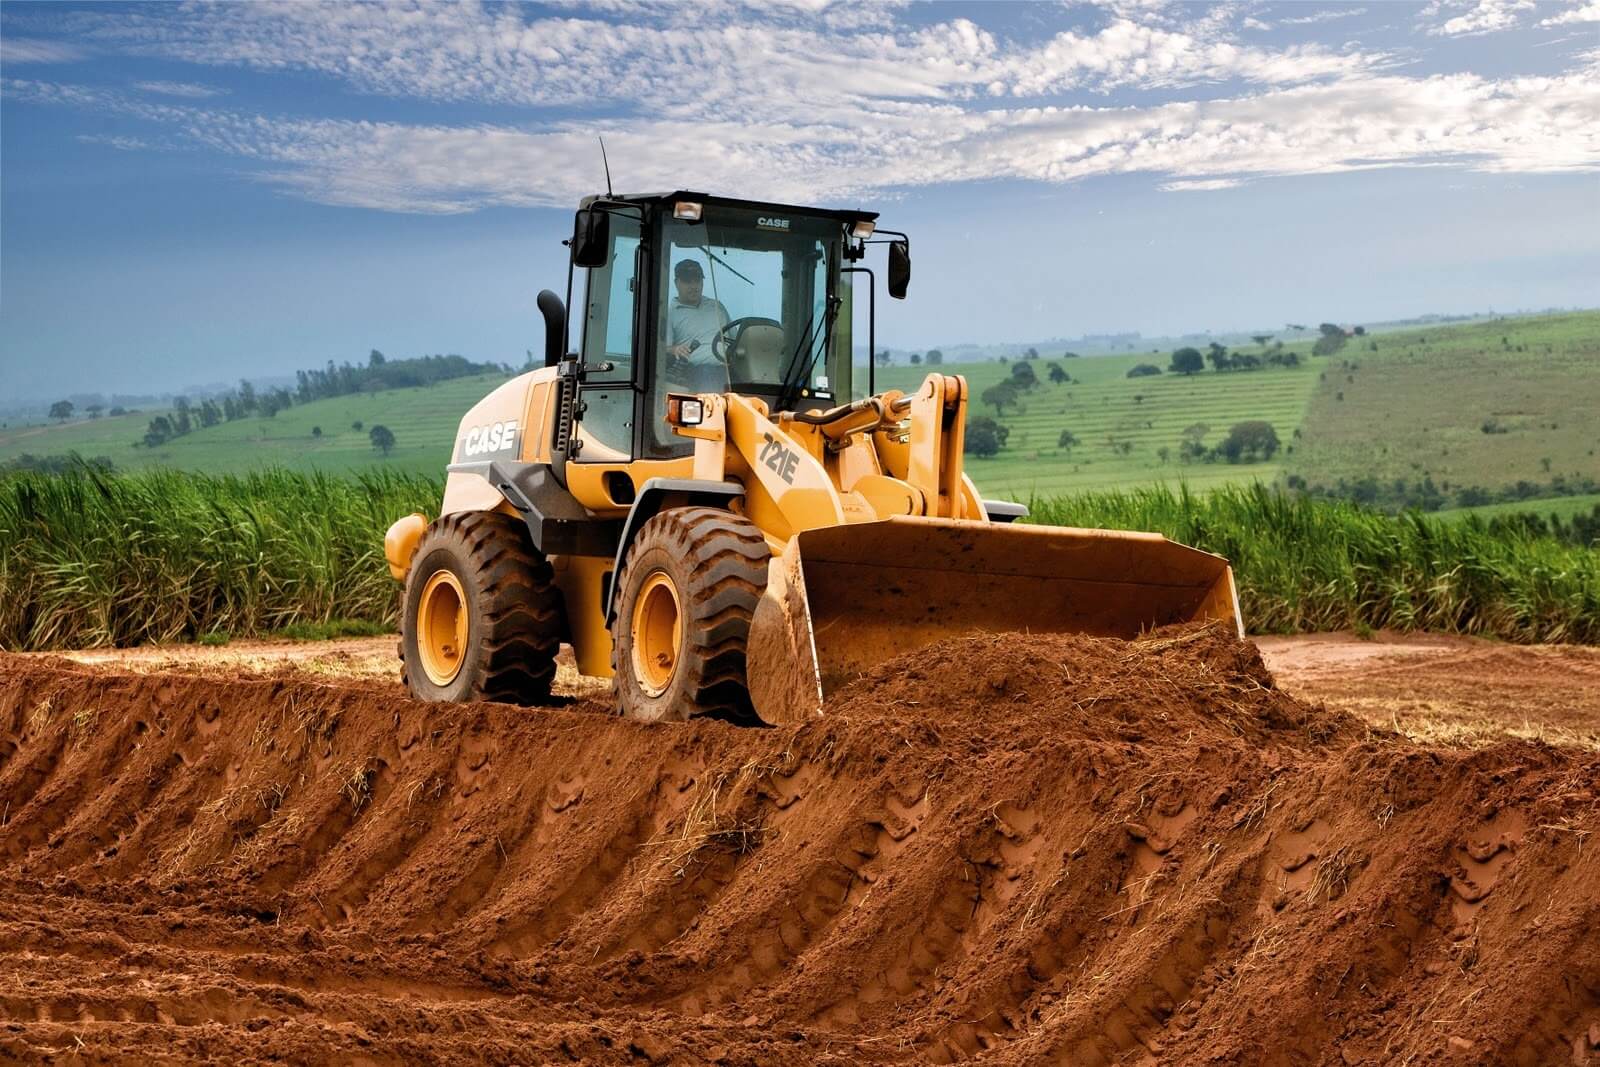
(91, 559)
(1305, 565)
(88, 559)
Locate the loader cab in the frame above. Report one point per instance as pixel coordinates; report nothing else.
(685, 292)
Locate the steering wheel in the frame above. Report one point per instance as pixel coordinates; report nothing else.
(728, 337)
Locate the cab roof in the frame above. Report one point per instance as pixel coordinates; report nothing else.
(666, 199)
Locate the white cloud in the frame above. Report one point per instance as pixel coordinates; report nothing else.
(1326, 15)
(1514, 125)
(1200, 185)
(36, 50)
(721, 58)
(779, 103)
(126, 144)
(188, 90)
(1589, 12)
(1477, 16)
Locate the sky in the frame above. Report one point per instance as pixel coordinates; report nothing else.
(194, 192)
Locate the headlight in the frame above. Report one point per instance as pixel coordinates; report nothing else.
(687, 210)
(685, 410)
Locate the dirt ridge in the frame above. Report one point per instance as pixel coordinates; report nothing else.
(1017, 849)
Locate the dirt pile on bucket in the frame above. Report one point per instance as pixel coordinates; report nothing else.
(1010, 849)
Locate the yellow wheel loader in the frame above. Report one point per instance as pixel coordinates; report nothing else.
(706, 505)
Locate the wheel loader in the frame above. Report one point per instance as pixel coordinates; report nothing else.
(703, 500)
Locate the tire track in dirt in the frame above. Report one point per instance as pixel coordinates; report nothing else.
(1014, 850)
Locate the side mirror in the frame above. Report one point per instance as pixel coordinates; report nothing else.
(899, 268)
(591, 238)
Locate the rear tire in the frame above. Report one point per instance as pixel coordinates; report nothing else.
(481, 618)
(688, 588)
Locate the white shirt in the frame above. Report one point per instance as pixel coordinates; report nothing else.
(696, 322)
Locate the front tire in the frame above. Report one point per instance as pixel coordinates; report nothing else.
(689, 586)
(481, 618)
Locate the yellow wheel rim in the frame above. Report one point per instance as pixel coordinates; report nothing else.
(442, 627)
(657, 628)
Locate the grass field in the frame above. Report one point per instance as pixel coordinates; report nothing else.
(1417, 407)
(1414, 408)
(1563, 506)
(1103, 407)
(423, 420)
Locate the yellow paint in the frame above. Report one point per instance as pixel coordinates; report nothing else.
(400, 543)
(657, 629)
(442, 627)
(536, 426)
(579, 579)
(587, 481)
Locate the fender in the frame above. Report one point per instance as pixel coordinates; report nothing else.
(654, 495)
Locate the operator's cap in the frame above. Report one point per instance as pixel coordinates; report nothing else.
(688, 268)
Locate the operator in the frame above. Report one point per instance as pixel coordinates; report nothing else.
(692, 324)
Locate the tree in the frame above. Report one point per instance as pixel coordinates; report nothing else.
(316, 431)
(1328, 344)
(1001, 395)
(1033, 353)
(117, 409)
(1145, 370)
(1067, 440)
(985, 436)
(916, 359)
(381, 438)
(61, 410)
(1249, 441)
(159, 432)
(1023, 375)
(94, 410)
(1261, 338)
(1070, 355)
(934, 357)
(247, 397)
(1360, 331)
(375, 358)
(1059, 376)
(886, 358)
(1187, 361)
(356, 426)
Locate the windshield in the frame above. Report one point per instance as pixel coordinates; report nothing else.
(747, 304)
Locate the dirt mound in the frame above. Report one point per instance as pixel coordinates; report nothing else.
(1016, 849)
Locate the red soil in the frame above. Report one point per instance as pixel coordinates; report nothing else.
(1017, 849)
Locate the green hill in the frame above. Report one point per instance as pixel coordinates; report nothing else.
(1123, 423)
(423, 420)
(1484, 405)
(1416, 406)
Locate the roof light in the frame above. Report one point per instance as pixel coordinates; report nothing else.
(862, 230)
(687, 210)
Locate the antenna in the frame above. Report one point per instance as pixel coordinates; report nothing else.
(607, 164)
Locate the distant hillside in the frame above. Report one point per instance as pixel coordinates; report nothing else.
(1476, 407)
(423, 420)
(1457, 415)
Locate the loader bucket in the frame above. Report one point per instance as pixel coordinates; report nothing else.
(842, 599)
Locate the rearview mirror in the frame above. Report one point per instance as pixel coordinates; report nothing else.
(591, 238)
(899, 268)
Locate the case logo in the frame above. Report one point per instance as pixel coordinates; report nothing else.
(772, 222)
(495, 437)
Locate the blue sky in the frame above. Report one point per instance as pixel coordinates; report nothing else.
(189, 193)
